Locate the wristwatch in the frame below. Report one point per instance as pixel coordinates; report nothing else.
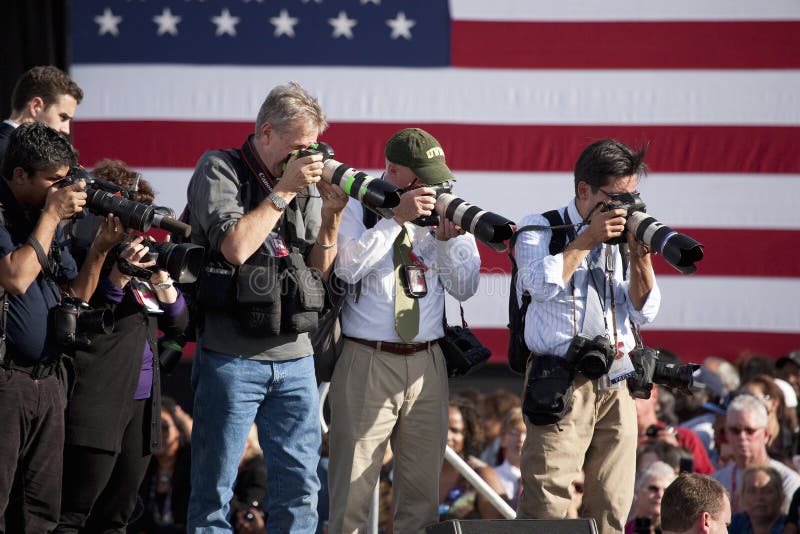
(278, 202)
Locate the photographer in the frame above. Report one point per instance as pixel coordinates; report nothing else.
(584, 289)
(113, 418)
(269, 226)
(390, 382)
(36, 267)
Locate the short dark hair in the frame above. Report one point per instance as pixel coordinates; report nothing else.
(606, 160)
(36, 147)
(46, 82)
(687, 498)
(117, 172)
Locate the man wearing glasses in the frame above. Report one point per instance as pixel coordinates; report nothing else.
(581, 287)
(746, 430)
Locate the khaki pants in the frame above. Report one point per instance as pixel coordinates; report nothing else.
(599, 436)
(375, 397)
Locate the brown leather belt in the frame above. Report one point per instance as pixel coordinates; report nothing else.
(395, 348)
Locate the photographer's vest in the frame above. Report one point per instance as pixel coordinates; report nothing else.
(268, 294)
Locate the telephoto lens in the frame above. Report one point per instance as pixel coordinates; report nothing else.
(490, 228)
(680, 251)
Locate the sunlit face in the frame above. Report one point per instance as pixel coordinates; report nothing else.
(401, 176)
(588, 199)
(747, 438)
(276, 145)
(455, 430)
(761, 497)
(59, 114)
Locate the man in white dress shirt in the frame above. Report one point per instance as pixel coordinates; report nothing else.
(390, 383)
(583, 281)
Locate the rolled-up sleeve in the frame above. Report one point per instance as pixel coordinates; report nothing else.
(215, 198)
(650, 308)
(540, 274)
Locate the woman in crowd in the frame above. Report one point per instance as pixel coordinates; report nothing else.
(112, 420)
(457, 498)
(166, 487)
(650, 486)
(761, 497)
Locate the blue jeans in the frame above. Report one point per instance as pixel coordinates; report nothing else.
(230, 393)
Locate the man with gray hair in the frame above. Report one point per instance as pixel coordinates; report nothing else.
(269, 226)
(746, 430)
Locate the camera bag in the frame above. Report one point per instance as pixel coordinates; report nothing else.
(548, 390)
(463, 352)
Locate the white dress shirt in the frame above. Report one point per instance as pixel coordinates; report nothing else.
(549, 320)
(366, 255)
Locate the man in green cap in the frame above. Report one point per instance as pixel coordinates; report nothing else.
(390, 383)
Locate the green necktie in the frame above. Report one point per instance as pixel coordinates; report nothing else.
(406, 309)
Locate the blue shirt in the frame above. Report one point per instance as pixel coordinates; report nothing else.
(740, 524)
(29, 322)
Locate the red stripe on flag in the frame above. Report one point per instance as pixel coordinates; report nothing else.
(728, 252)
(627, 45)
(549, 148)
(691, 346)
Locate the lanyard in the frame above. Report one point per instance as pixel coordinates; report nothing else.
(254, 163)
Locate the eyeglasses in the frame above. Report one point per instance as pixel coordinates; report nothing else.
(737, 430)
(615, 196)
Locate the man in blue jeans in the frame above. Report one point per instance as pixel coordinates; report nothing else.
(256, 209)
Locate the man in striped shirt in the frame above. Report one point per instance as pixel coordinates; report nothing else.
(598, 433)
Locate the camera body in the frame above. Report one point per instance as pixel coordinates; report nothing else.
(591, 356)
(631, 203)
(650, 371)
(183, 261)
(74, 321)
(319, 147)
(433, 218)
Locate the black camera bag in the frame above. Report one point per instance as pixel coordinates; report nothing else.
(257, 295)
(463, 352)
(302, 296)
(548, 390)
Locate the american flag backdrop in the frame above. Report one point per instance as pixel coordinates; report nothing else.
(513, 89)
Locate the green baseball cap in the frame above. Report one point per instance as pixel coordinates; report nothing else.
(421, 152)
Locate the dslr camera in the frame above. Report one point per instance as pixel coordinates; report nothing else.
(680, 250)
(74, 321)
(104, 197)
(650, 371)
(183, 261)
(433, 218)
(631, 203)
(591, 356)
